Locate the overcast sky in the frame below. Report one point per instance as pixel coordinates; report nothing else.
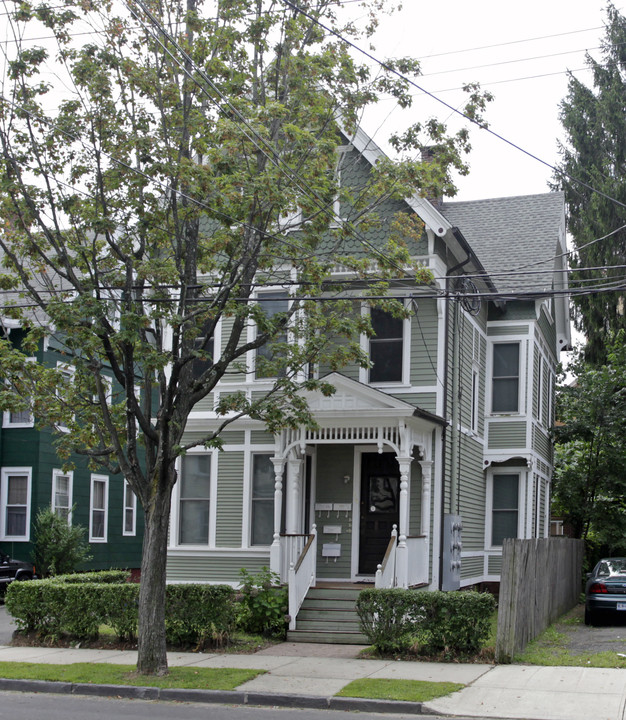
(531, 45)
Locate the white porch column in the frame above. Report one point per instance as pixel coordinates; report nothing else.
(275, 549)
(402, 558)
(294, 480)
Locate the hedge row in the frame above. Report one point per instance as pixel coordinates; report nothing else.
(429, 622)
(194, 614)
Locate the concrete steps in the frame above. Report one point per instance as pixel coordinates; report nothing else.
(328, 615)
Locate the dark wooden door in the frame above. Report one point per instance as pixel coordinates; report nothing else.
(380, 499)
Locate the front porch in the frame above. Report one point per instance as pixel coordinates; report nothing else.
(352, 499)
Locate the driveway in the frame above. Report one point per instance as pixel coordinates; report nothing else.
(579, 639)
(7, 626)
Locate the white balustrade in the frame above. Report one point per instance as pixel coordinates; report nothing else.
(302, 575)
(386, 572)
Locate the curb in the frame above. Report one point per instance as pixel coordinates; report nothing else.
(227, 697)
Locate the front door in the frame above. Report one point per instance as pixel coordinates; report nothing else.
(379, 509)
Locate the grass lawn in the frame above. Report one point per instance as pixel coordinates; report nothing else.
(389, 689)
(106, 674)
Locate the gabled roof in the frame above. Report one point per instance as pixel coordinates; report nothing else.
(519, 240)
(353, 399)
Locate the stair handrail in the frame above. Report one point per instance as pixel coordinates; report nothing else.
(302, 576)
(386, 571)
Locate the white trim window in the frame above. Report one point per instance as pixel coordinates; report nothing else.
(505, 507)
(505, 377)
(387, 347)
(15, 496)
(99, 508)
(19, 418)
(194, 499)
(272, 303)
(67, 375)
(262, 500)
(129, 515)
(61, 502)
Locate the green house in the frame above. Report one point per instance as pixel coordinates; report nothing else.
(32, 476)
(423, 464)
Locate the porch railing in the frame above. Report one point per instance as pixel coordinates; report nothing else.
(386, 572)
(291, 549)
(302, 576)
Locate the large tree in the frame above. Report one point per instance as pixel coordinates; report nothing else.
(160, 165)
(590, 478)
(592, 173)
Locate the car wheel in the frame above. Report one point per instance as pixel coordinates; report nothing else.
(589, 617)
(24, 576)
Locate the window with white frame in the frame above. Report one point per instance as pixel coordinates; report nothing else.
(194, 499)
(62, 494)
(19, 418)
(475, 401)
(206, 346)
(505, 378)
(15, 494)
(386, 347)
(504, 507)
(272, 303)
(262, 526)
(67, 378)
(98, 508)
(130, 511)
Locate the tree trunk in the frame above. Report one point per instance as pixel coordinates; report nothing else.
(152, 655)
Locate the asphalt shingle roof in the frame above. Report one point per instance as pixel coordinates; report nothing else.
(512, 235)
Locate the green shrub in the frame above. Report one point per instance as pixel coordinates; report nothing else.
(452, 623)
(102, 577)
(58, 547)
(264, 604)
(199, 615)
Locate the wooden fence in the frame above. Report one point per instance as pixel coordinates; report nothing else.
(541, 579)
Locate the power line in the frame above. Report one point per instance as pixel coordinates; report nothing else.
(510, 42)
(454, 110)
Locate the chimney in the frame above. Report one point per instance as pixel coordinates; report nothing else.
(428, 155)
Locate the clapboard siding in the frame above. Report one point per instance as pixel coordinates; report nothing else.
(229, 499)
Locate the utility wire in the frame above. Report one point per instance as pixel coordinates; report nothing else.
(456, 111)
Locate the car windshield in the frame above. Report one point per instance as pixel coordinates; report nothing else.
(612, 566)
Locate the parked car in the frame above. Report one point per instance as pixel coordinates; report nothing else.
(605, 592)
(11, 569)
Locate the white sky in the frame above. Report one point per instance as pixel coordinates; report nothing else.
(524, 111)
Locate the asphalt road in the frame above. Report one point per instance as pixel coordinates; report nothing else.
(26, 706)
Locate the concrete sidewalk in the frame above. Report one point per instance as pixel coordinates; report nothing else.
(308, 675)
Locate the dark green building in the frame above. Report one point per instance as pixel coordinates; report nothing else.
(32, 476)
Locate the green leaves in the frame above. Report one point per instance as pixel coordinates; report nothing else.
(590, 476)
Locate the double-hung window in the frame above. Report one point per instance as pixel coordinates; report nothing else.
(505, 378)
(194, 499)
(62, 494)
(130, 511)
(272, 304)
(99, 508)
(19, 418)
(262, 500)
(505, 507)
(386, 347)
(205, 346)
(15, 491)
